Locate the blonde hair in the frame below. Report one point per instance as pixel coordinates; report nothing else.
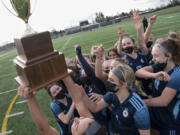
(129, 77)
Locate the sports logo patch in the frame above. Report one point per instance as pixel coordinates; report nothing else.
(125, 113)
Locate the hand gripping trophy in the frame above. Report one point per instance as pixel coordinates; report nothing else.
(38, 64)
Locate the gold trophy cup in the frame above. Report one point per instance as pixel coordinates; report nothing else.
(38, 64)
(22, 10)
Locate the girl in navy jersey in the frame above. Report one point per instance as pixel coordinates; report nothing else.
(165, 111)
(129, 113)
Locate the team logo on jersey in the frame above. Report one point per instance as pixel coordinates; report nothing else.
(142, 61)
(125, 113)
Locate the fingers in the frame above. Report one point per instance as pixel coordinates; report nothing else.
(24, 92)
(95, 97)
(163, 76)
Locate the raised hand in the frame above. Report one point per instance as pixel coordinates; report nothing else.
(99, 52)
(153, 19)
(75, 47)
(120, 32)
(137, 20)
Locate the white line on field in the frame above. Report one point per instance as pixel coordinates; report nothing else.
(14, 114)
(8, 91)
(170, 16)
(7, 132)
(7, 75)
(65, 44)
(20, 102)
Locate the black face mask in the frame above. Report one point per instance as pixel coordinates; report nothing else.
(110, 86)
(128, 49)
(149, 44)
(60, 95)
(161, 66)
(107, 71)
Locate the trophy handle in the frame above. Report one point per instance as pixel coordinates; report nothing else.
(8, 8)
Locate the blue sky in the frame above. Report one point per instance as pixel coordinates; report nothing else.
(60, 14)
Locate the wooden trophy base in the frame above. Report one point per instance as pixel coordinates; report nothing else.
(38, 65)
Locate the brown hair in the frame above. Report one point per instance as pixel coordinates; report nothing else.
(128, 36)
(172, 45)
(113, 50)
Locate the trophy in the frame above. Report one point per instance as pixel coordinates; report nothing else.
(22, 10)
(38, 64)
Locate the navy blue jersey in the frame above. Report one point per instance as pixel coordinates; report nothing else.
(149, 57)
(58, 108)
(138, 63)
(130, 115)
(167, 117)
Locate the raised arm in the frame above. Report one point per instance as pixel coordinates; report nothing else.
(98, 64)
(88, 70)
(149, 28)
(36, 113)
(119, 43)
(140, 36)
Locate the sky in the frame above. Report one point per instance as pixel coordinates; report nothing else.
(60, 14)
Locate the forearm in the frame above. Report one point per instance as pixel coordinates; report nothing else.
(144, 132)
(89, 70)
(119, 46)
(147, 33)
(37, 115)
(68, 116)
(162, 101)
(98, 69)
(155, 102)
(142, 45)
(141, 73)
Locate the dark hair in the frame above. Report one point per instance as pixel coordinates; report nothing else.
(173, 47)
(59, 83)
(113, 50)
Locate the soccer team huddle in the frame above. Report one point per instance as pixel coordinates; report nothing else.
(135, 90)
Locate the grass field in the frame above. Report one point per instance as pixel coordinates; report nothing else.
(22, 124)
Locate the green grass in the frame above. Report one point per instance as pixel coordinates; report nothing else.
(23, 124)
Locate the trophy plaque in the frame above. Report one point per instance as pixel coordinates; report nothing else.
(38, 64)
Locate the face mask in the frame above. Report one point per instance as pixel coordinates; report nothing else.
(60, 95)
(128, 49)
(107, 71)
(110, 86)
(149, 44)
(161, 66)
